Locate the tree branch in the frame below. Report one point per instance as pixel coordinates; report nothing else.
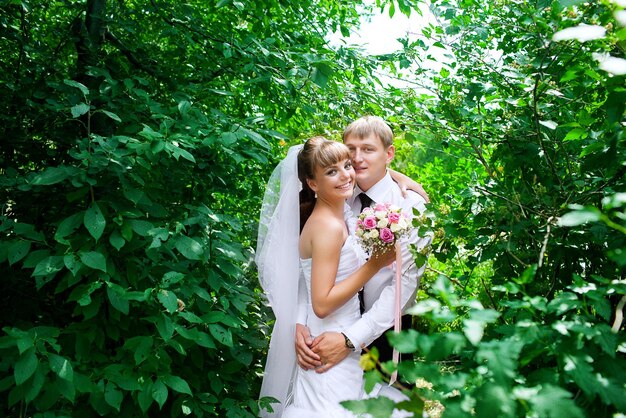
(619, 315)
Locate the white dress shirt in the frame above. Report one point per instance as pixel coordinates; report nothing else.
(379, 292)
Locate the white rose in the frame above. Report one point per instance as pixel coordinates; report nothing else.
(399, 226)
(383, 223)
(372, 233)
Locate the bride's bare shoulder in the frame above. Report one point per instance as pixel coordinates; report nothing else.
(323, 228)
(320, 222)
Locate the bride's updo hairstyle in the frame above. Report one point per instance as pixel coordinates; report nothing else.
(316, 152)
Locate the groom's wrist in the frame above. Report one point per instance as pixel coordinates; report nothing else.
(348, 343)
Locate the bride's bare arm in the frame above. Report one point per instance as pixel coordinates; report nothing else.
(326, 294)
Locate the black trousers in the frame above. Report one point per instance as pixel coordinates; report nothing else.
(385, 350)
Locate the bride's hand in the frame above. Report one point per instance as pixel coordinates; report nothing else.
(307, 359)
(385, 257)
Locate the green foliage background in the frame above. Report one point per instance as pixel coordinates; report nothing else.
(136, 141)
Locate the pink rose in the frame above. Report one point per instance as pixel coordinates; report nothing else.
(386, 235)
(370, 222)
(393, 217)
(380, 207)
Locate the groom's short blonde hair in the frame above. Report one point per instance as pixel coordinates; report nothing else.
(367, 125)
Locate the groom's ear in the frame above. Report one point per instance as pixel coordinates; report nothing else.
(390, 152)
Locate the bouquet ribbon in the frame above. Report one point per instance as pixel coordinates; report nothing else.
(397, 324)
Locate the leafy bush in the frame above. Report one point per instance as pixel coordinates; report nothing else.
(519, 140)
(137, 139)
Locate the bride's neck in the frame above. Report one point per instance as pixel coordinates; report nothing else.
(336, 207)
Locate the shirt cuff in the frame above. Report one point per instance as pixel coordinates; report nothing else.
(358, 333)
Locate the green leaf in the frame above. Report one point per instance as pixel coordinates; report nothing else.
(576, 133)
(189, 248)
(94, 221)
(159, 393)
(180, 152)
(142, 228)
(221, 334)
(213, 317)
(116, 240)
(198, 337)
(112, 115)
(164, 326)
(615, 104)
(61, 366)
(404, 342)
(474, 330)
(171, 277)
(18, 250)
(176, 383)
(49, 265)
(94, 260)
(25, 343)
(191, 317)
(82, 294)
(52, 175)
(550, 124)
(116, 295)
(376, 407)
(143, 349)
(493, 401)
(553, 401)
(68, 226)
(322, 73)
(501, 358)
(72, 264)
(581, 215)
(35, 386)
(177, 346)
(580, 369)
(79, 109)
(66, 388)
(78, 85)
(168, 300)
(528, 275)
(113, 396)
(145, 398)
(25, 366)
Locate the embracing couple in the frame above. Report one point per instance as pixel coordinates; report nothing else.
(329, 300)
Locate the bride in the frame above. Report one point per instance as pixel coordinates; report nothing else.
(302, 230)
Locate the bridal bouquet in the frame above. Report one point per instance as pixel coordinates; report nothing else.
(381, 225)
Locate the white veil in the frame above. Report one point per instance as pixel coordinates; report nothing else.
(278, 262)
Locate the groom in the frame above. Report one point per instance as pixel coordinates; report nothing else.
(370, 141)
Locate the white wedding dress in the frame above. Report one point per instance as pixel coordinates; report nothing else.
(318, 394)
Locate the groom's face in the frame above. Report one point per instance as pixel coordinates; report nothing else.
(369, 159)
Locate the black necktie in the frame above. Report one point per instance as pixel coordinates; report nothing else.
(365, 200)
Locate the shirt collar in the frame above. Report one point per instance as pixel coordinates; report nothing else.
(378, 192)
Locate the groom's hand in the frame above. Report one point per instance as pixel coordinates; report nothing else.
(331, 347)
(307, 359)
